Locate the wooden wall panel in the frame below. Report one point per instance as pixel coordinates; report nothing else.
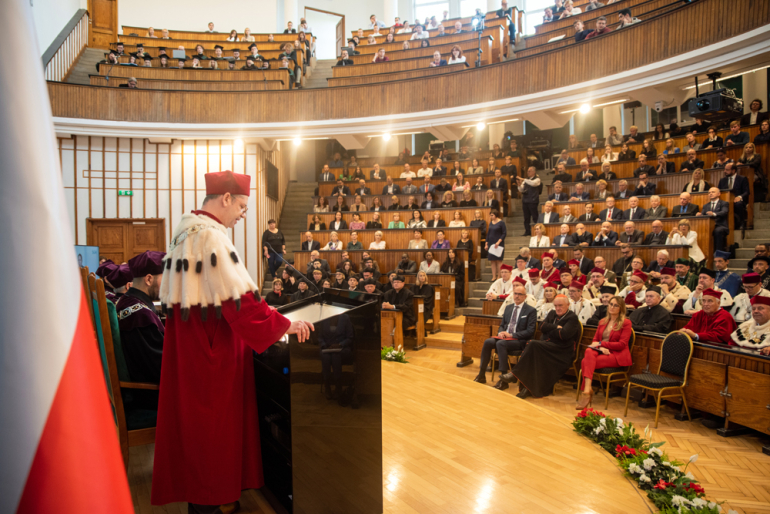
(167, 180)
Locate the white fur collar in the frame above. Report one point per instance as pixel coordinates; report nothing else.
(203, 267)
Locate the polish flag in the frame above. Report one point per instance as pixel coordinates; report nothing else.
(59, 450)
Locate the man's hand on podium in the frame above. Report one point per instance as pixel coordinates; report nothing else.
(301, 329)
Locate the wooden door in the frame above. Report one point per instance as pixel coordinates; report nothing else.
(340, 35)
(121, 239)
(104, 23)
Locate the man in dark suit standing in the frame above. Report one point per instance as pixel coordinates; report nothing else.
(326, 175)
(516, 329)
(611, 213)
(308, 245)
(500, 184)
(589, 214)
(739, 186)
(530, 197)
(718, 209)
(685, 209)
(658, 236)
(634, 212)
(362, 189)
(558, 195)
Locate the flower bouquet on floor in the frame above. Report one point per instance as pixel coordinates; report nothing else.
(389, 353)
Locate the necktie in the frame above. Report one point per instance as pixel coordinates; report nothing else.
(512, 324)
(713, 206)
(682, 210)
(609, 214)
(731, 182)
(633, 211)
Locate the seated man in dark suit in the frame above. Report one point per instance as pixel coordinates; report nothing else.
(326, 175)
(661, 261)
(308, 245)
(565, 159)
(718, 209)
(611, 213)
(644, 187)
(589, 214)
(580, 194)
(377, 173)
(691, 163)
(549, 215)
(630, 235)
(643, 166)
(634, 212)
(656, 210)
(439, 170)
(341, 189)
(739, 186)
(585, 174)
(585, 264)
(685, 209)
(606, 236)
(402, 299)
(658, 236)
(558, 195)
(562, 175)
(623, 193)
(754, 117)
(516, 329)
(362, 189)
(390, 188)
(581, 237)
(664, 166)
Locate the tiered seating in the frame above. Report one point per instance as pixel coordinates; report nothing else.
(219, 37)
(440, 45)
(386, 200)
(194, 75)
(192, 85)
(386, 68)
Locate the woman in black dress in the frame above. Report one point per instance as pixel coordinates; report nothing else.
(340, 205)
(276, 297)
(316, 224)
(496, 234)
(481, 223)
(273, 245)
(375, 223)
(422, 288)
(466, 243)
(453, 265)
(338, 223)
(289, 283)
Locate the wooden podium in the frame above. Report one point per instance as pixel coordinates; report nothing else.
(323, 455)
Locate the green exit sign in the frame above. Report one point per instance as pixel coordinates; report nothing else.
(125, 192)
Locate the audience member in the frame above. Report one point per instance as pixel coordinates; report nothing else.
(652, 317)
(429, 265)
(719, 210)
(736, 137)
(711, 323)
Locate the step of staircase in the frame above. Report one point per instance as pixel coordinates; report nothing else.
(453, 326)
(321, 71)
(445, 340)
(85, 65)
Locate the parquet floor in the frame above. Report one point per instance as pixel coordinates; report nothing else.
(454, 446)
(732, 469)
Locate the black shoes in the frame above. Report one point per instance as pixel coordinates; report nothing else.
(481, 379)
(508, 378)
(501, 385)
(524, 393)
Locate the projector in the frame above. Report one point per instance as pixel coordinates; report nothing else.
(716, 105)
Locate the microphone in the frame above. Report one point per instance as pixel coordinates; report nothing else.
(310, 282)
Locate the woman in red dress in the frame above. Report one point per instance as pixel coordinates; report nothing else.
(609, 348)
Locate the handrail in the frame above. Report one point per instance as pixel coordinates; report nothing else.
(67, 47)
(720, 21)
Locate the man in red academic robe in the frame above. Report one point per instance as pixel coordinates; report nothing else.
(712, 322)
(207, 442)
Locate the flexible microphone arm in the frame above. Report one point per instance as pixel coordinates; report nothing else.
(310, 282)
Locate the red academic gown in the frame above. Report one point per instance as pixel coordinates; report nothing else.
(716, 328)
(207, 441)
(550, 276)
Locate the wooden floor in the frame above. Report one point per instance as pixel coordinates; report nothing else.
(451, 445)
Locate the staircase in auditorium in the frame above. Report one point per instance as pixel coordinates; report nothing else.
(86, 65)
(321, 72)
(299, 201)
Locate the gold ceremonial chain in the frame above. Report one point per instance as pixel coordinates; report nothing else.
(184, 235)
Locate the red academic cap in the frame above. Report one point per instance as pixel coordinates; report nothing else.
(597, 270)
(534, 272)
(574, 261)
(711, 292)
(547, 254)
(519, 280)
(668, 271)
(751, 278)
(762, 300)
(221, 182)
(507, 266)
(642, 275)
(553, 285)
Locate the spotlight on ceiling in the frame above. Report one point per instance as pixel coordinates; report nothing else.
(386, 137)
(297, 141)
(480, 125)
(585, 108)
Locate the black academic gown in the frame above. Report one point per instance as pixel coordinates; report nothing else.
(299, 295)
(458, 269)
(141, 336)
(428, 292)
(599, 314)
(651, 319)
(274, 300)
(403, 300)
(543, 362)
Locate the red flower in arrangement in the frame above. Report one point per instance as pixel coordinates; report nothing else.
(662, 485)
(583, 413)
(624, 451)
(692, 486)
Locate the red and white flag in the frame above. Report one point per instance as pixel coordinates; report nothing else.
(59, 451)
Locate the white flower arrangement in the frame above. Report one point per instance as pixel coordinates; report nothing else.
(634, 469)
(655, 451)
(698, 503)
(644, 478)
(648, 464)
(598, 430)
(679, 501)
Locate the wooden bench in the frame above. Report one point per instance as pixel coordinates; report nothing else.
(396, 76)
(216, 37)
(221, 65)
(190, 85)
(190, 74)
(447, 215)
(702, 225)
(392, 330)
(384, 69)
(208, 49)
(386, 200)
(446, 39)
(611, 254)
(445, 48)
(394, 170)
(587, 17)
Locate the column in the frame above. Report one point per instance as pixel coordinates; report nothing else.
(290, 13)
(389, 13)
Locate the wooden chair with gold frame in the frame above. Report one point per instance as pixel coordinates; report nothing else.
(675, 356)
(617, 374)
(132, 427)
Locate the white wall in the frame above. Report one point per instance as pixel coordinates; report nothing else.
(324, 28)
(50, 17)
(754, 86)
(167, 180)
(260, 16)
